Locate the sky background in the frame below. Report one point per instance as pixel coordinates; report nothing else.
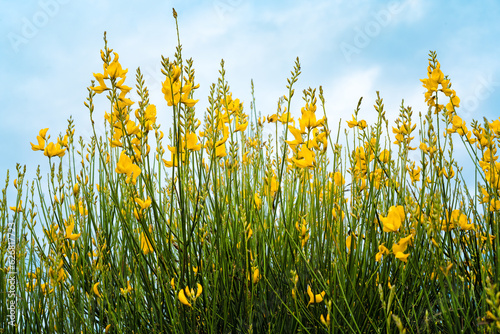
(49, 50)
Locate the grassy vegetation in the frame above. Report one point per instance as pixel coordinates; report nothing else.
(226, 231)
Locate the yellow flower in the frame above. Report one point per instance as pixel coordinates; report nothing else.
(338, 213)
(114, 70)
(249, 232)
(457, 218)
(318, 298)
(385, 156)
(414, 173)
(241, 127)
(63, 142)
(327, 321)
(286, 116)
(190, 294)
(128, 289)
(308, 119)
(125, 166)
(428, 149)
(172, 283)
(220, 151)
(102, 86)
(173, 161)
(171, 88)
(19, 208)
(454, 102)
(394, 219)
(403, 257)
(43, 133)
(399, 248)
(382, 250)
(76, 189)
(258, 201)
(255, 276)
(272, 118)
(304, 232)
(54, 150)
(406, 240)
(143, 204)
(199, 290)
(361, 124)
(305, 158)
(146, 245)
(45, 287)
(434, 79)
(41, 140)
(81, 208)
(69, 230)
(297, 134)
(183, 299)
(96, 291)
(350, 241)
(338, 179)
(192, 142)
(150, 116)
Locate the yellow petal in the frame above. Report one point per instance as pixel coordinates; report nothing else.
(183, 299)
(96, 291)
(199, 290)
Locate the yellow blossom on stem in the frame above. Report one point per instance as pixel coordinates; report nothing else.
(394, 218)
(102, 86)
(220, 151)
(76, 189)
(350, 241)
(172, 283)
(41, 140)
(305, 158)
(186, 293)
(69, 230)
(399, 248)
(183, 299)
(127, 290)
(146, 245)
(114, 70)
(385, 156)
(318, 298)
(338, 179)
(286, 117)
(297, 134)
(19, 208)
(53, 150)
(173, 91)
(241, 126)
(304, 232)
(327, 321)
(454, 102)
(402, 256)
(192, 142)
(255, 275)
(257, 200)
(125, 166)
(96, 290)
(382, 250)
(272, 118)
(143, 204)
(354, 123)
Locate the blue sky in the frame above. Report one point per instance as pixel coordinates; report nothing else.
(49, 49)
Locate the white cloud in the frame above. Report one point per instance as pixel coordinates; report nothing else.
(342, 94)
